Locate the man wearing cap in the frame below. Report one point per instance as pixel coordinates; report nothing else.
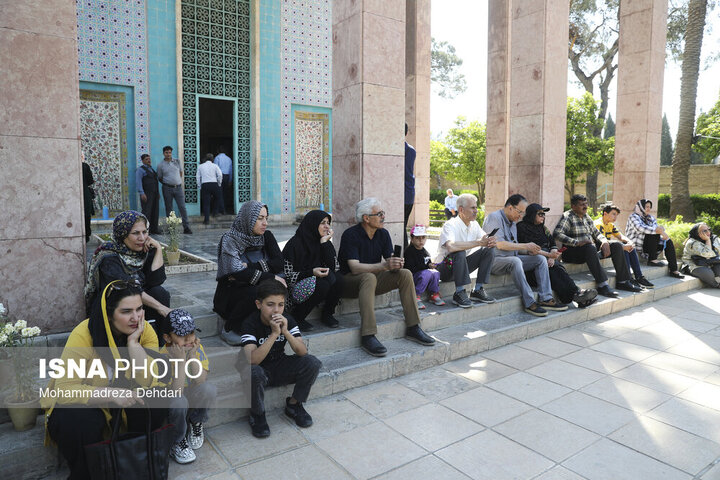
(517, 258)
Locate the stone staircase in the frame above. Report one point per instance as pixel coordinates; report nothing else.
(459, 333)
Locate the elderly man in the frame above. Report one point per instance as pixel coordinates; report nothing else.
(577, 232)
(450, 204)
(459, 235)
(517, 258)
(367, 261)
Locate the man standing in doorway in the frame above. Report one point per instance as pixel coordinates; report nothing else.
(209, 181)
(410, 155)
(171, 176)
(225, 164)
(146, 180)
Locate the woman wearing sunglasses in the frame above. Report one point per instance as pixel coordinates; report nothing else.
(134, 257)
(701, 256)
(115, 329)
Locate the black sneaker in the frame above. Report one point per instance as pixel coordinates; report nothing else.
(553, 305)
(373, 346)
(304, 325)
(329, 320)
(606, 292)
(461, 299)
(297, 412)
(416, 334)
(187, 231)
(628, 286)
(259, 426)
(480, 295)
(536, 310)
(585, 298)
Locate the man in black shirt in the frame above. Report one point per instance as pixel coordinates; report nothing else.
(264, 334)
(367, 261)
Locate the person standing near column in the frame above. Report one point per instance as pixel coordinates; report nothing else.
(171, 176)
(146, 180)
(225, 164)
(410, 155)
(209, 180)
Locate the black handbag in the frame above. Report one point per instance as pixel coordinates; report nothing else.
(136, 455)
(701, 261)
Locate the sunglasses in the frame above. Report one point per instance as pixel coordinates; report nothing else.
(121, 285)
(378, 214)
(542, 214)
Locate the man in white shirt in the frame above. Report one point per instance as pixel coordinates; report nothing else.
(225, 164)
(460, 234)
(209, 179)
(450, 204)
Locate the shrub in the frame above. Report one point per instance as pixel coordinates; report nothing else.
(706, 203)
(712, 221)
(435, 205)
(437, 195)
(678, 232)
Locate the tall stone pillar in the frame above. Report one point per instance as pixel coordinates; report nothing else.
(368, 109)
(538, 102)
(497, 159)
(42, 245)
(417, 101)
(641, 66)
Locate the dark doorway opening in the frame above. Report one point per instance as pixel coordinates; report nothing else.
(216, 135)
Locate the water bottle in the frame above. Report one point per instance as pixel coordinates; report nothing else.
(106, 212)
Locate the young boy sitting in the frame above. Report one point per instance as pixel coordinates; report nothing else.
(263, 337)
(419, 262)
(181, 343)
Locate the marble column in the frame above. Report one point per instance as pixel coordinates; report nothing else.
(641, 66)
(417, 101)
(42, 244)
(538, 102)
(368, 109)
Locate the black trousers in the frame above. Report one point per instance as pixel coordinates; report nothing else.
(73, 428)
(234, 302)
(210, 196)
(449, 214)
(302, 371)
(589, 254)
(652, 246)
(327, 289)
(408, 209)
(153, 316)
(227, 190)
(561, 282)
(151, 209)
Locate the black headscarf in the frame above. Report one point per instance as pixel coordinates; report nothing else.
(695, 235)
(304, 249)
(528, 231)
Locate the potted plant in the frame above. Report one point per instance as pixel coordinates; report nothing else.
(6, 367)
(22, 404)
(174, 225)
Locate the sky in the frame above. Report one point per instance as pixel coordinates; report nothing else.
(463, 23)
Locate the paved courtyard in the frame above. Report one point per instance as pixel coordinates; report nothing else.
(629, 396)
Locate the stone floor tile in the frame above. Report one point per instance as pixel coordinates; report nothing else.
(333, 415)
(606, 460)
(706, 394)
(439, 383)
(305, 462)
(433, 426)
(693, 324)
(668, 444)
(668, 328)
(207, 463)
(559, 473)
(229, 475)
(656, 378)
(589, 412)
(681, 365)
(235, 442)
(650, 340)
(370, 450)
(626, 394)
(627, 350)
(701, 302)
(603, 328)
(689, 416)
(577, 337)
(490, 456)
(634, 318)
(598, 361)
(704, 348)
(516, 357)
(485, 406)
(426, 467)
(529, 388)
(547, 435)
(479, 369)
(548, 346)
(713, 473)
(566, 374)
(385, 399)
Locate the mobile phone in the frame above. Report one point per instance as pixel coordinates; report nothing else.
(493, 232)
(561, 250)
(397, 252)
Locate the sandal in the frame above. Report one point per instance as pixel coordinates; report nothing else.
(676, 274)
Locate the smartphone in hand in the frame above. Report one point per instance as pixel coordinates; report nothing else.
(397, 252)
(491, 234)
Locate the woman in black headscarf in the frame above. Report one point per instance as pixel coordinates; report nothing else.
(310, 268)
(701, 255)
(247, 254)
(532, 229)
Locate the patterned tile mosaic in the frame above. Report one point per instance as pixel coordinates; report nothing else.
(312, 160)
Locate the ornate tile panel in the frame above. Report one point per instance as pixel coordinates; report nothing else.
(312, 160)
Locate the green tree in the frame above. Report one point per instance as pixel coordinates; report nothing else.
(462, 154)
(708, 125)
(609, 127)
(444, 70)
(439, 156)
(666, 144)
(584, 151)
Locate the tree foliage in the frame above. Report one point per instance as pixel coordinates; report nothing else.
(445, 70)
(666, 143)
(708, 125)
(461, 156)
(609, 127)
(585, 152)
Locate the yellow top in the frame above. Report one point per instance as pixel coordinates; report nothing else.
(200, 355)
(607, 229)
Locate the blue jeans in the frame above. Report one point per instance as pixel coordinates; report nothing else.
(634, 262)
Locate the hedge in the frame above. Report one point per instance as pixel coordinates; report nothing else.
(707, 203)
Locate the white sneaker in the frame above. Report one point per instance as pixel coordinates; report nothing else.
(182, 453)
(195, 436)
(231, 338)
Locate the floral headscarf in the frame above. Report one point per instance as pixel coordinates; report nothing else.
(640, 210)
(239, 238)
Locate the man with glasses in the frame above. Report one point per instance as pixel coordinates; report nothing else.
(369, 269)
(459, 235)
(516, 258)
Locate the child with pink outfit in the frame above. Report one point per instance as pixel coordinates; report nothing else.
(419, 262)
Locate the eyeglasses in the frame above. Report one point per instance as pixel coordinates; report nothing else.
(378, 214)
(705, 230)
(542, 214)
(521, 212)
